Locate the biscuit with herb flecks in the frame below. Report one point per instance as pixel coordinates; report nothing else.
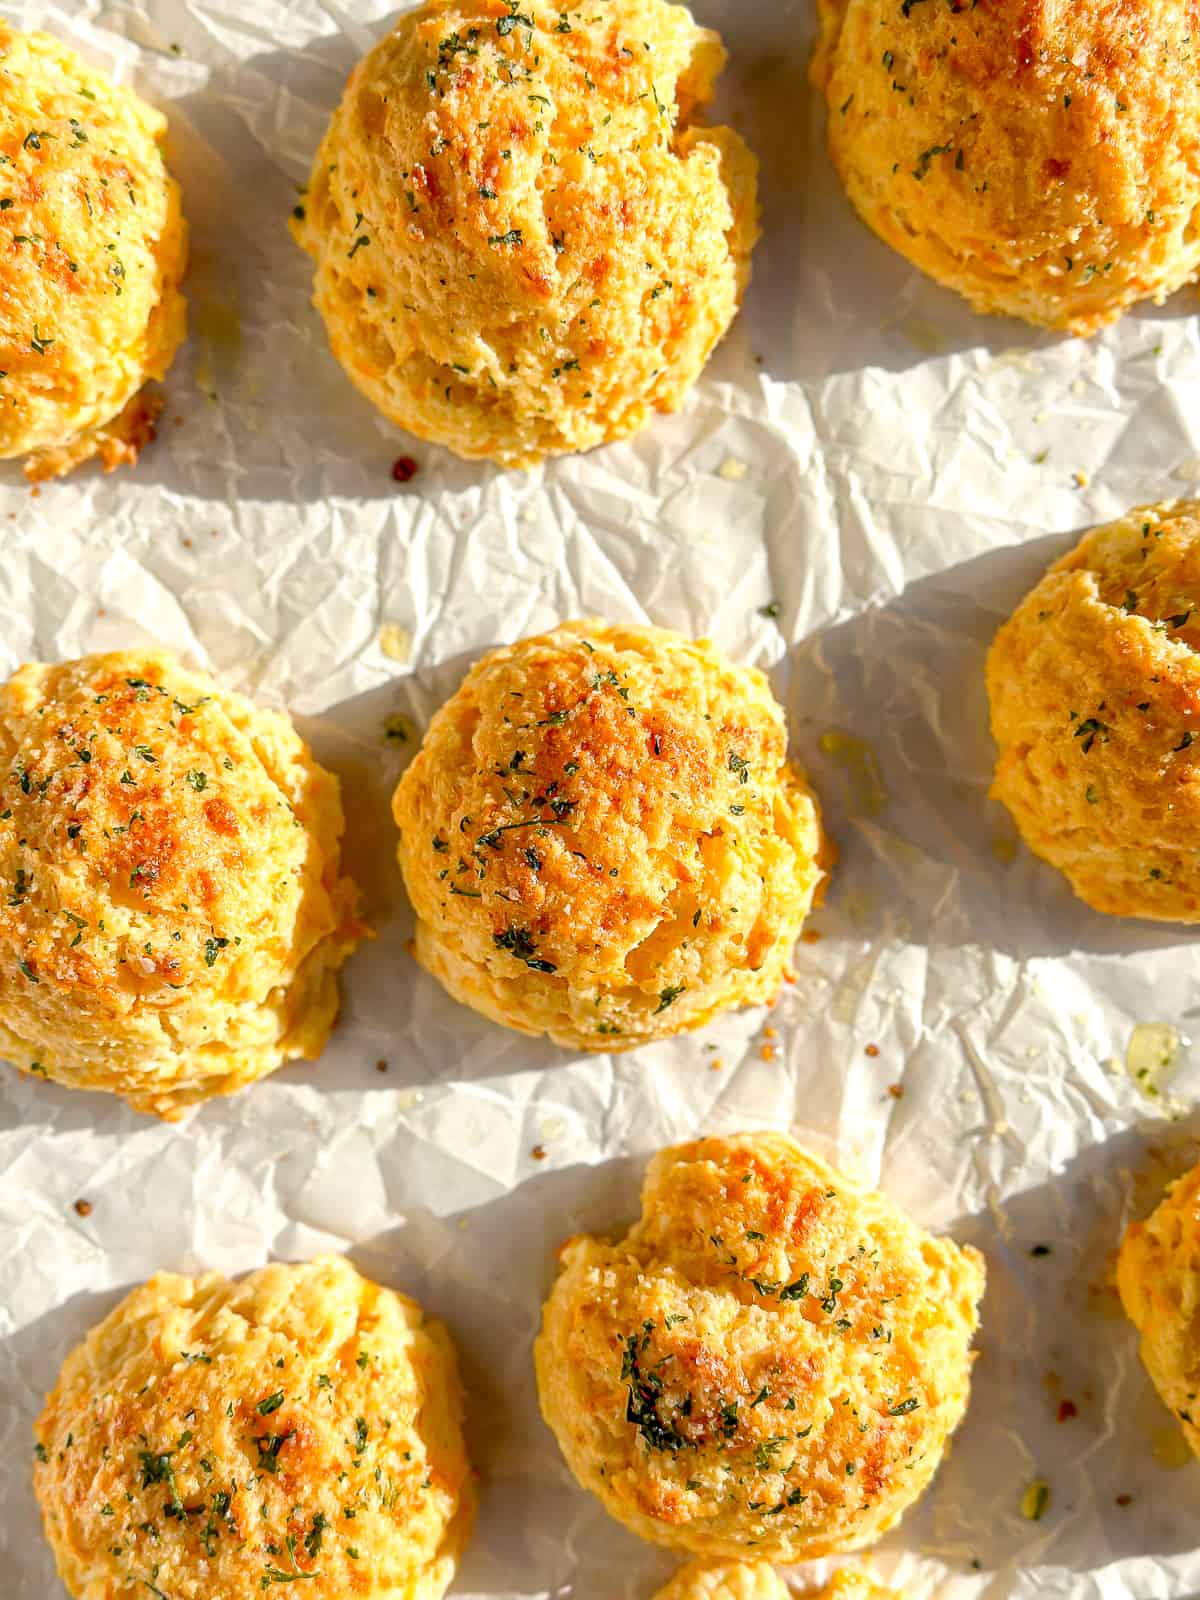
(1041, 159)
(92, 250)
(1094, 684)
(173, 913)
(768, 1365)
(1158, 1277)
(603, 839)
(527, 241)
(302, 1426)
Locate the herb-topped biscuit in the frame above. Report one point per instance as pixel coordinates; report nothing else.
(218, 1439)
(92, 249)
(1094, 685)
(174, 913)
(603, 840)
(769, 1363)
(1158, 1277)
(526, 241)
(1041, 159)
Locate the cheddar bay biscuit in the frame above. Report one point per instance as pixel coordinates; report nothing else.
(850, 1583)
(302, 1426)
(1158, 1278)
(1094, 686)
(526, 240)
(602, 839)
(730, 1580)
(1042, 160)
(92, 250)
(175, 913)
(758, 1580)
(769, 1364)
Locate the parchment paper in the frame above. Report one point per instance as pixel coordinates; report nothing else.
(892, 473)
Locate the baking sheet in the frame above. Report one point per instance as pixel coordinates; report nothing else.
(890, 473)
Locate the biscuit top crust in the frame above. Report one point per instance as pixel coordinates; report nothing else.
(771, 1359)
(299, 1426)
(92, 246)
(149, 843)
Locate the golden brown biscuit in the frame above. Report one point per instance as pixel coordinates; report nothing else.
(217, 1439)
(603, 840)
(1095, 695)
(771, 1361)
(1041, 159)
(174, 914)
(1158, 1277)
(731, 1580)
(526, 241)
(92, 250)
(850, 1583)
(758, 1580)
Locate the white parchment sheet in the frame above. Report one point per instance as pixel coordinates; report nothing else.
(893, 473)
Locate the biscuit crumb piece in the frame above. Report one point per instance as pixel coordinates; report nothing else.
(395, 642)
(1035, 1500)
(381, 1065)
(872, 1050)
(896, 1090)
(83, 1208)
(538, 1152)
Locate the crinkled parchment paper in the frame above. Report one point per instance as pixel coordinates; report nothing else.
(891, 473)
